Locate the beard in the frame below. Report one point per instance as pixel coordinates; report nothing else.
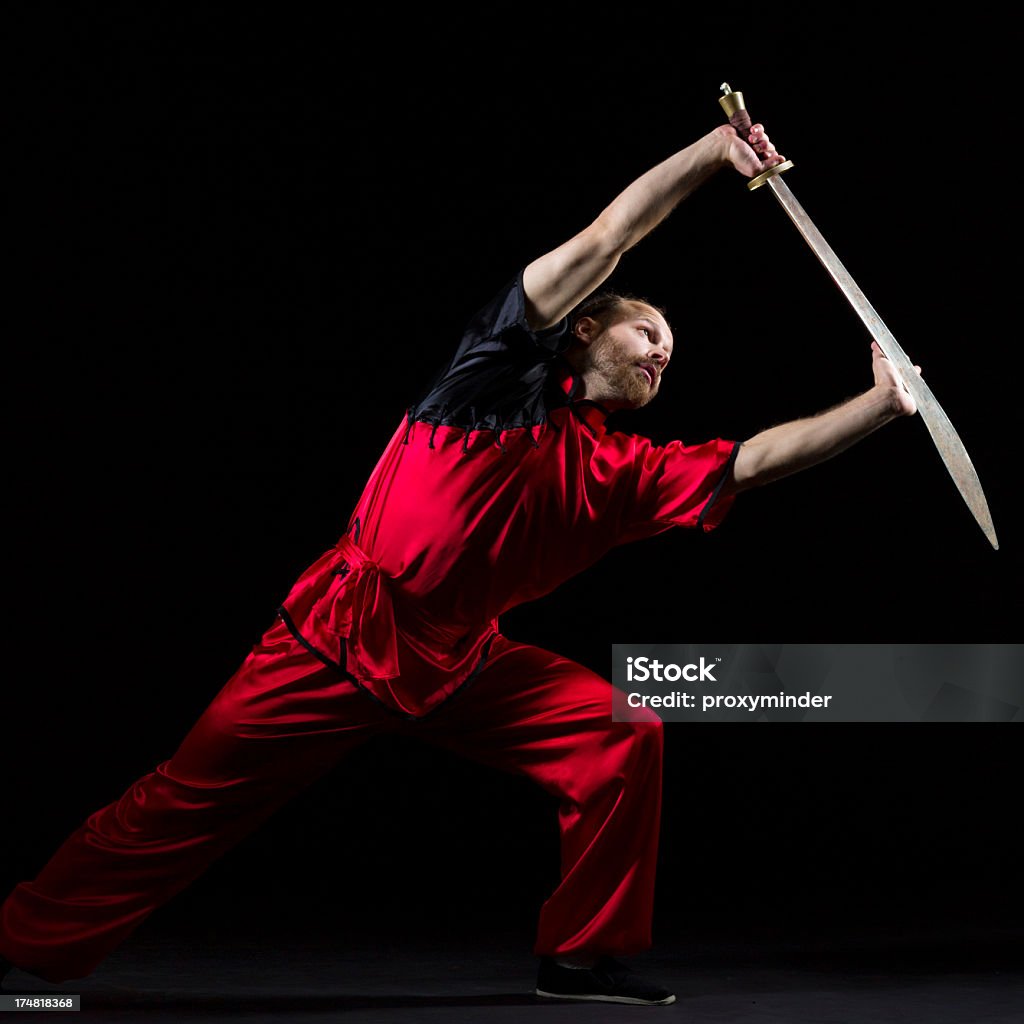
(621, 379)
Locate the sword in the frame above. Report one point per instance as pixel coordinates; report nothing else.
(946, 439)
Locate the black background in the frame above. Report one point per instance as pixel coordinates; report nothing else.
(243, 241)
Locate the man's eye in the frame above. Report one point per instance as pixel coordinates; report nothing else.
(645, 330)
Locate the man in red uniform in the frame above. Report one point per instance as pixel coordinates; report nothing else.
(500, 483)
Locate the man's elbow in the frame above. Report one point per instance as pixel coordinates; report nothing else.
(608, 237)
(749, 469)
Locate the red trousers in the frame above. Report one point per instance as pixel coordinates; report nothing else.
(282, 721)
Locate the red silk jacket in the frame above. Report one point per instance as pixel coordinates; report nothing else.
(498, 485)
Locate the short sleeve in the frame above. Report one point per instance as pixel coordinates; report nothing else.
(500, 368)
(680, 485)
(502, 324)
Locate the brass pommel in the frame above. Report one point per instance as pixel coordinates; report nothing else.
(731, 101)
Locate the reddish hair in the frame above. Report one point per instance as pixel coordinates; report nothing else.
(602, 306)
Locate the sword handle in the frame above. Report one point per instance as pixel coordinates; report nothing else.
(735, 109)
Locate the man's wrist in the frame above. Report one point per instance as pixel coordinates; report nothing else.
(719, 142)
(889, 400)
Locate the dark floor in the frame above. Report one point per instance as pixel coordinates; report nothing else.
(963, 977)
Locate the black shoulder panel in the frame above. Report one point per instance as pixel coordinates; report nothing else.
(501, 374)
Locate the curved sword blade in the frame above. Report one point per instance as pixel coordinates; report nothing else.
(946, 439)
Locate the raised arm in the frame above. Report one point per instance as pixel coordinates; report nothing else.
(790, 447)
(558, 281)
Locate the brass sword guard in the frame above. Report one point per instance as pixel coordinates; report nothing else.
(770, 173)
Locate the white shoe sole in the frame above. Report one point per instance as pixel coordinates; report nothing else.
(605, 999)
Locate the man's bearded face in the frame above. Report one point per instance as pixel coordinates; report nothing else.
(627, 358)
(618, 365)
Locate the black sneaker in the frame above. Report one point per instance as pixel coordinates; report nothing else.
(608, 981)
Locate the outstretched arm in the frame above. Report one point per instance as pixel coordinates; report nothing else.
(562, 278)
(790, 447)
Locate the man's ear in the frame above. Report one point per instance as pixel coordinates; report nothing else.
(586, 329)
